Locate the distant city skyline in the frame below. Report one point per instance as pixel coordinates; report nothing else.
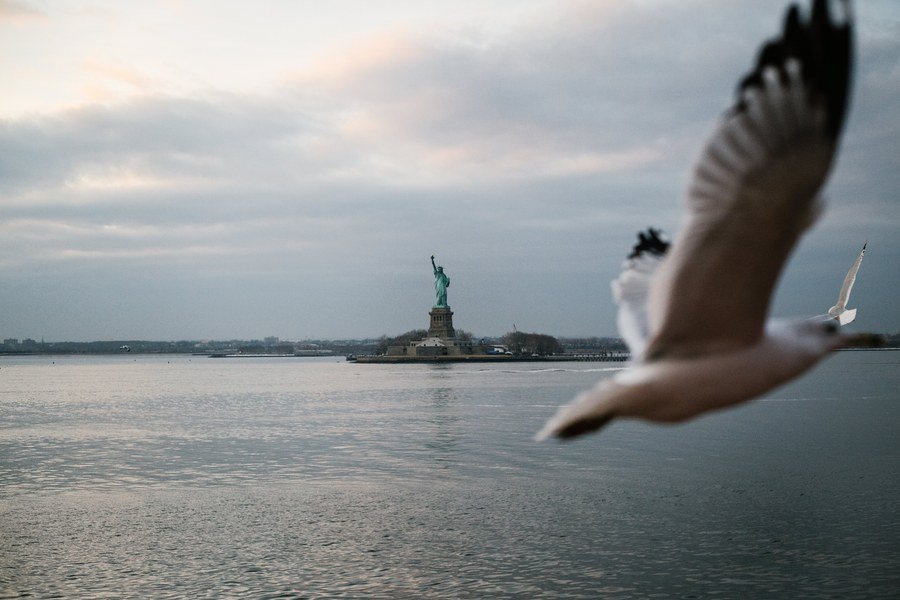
(190, 170)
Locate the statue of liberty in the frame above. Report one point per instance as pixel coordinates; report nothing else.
(441, 283)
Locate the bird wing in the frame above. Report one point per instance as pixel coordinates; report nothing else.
(589, 411)
(754, 191)
(849, 280)
(631, 288)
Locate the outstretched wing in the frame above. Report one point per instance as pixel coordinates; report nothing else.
(849, 280)
(754, 191)
(631, 288)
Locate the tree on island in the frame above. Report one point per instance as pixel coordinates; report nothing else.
(520, 342)
(401, 340)
(892, 340)
(465, 336)
(594, 345)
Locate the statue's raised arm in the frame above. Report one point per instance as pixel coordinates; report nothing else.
(441, 283)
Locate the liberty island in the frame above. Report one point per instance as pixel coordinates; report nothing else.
(442, 344)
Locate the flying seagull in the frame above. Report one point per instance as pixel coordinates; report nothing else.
(694, 314)
(839, 311)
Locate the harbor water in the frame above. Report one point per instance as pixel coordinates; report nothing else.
(190, 477)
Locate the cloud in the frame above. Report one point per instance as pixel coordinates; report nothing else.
(573, 95)
(18, 12)
(524, 159)
(154, 139)
(109, 81)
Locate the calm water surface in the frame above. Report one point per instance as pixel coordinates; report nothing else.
(140, 476)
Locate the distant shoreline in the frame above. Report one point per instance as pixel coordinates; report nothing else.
(390, 360)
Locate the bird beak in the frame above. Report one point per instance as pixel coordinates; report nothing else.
(862, 340)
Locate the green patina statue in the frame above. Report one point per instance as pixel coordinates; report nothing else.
(441, 283)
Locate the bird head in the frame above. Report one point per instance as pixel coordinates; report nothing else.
(824, 334)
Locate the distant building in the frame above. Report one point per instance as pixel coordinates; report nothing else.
(11, 342)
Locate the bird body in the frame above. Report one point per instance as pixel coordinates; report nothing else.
(678, 389)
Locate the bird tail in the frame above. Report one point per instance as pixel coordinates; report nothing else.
(847, 317)
(844, 316)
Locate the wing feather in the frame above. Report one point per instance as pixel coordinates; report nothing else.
(849, 280)
(753, 192)
(631, 288)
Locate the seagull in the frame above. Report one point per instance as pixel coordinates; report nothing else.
(693, 311)
(840, 312)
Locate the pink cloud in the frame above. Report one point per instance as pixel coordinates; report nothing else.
(18, 12)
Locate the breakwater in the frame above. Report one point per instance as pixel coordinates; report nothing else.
(495, 358)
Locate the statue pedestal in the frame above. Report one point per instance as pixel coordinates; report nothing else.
(440, 344)
(441, 323)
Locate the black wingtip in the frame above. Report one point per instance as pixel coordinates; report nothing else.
(582, 427)
(651, 241)
(824, 49)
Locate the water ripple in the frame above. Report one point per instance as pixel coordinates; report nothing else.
(319, 479)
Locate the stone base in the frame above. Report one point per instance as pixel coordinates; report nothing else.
(440, 343)
(441, 323)
(433, 346)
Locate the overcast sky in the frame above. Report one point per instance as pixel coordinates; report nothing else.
(208, 170)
